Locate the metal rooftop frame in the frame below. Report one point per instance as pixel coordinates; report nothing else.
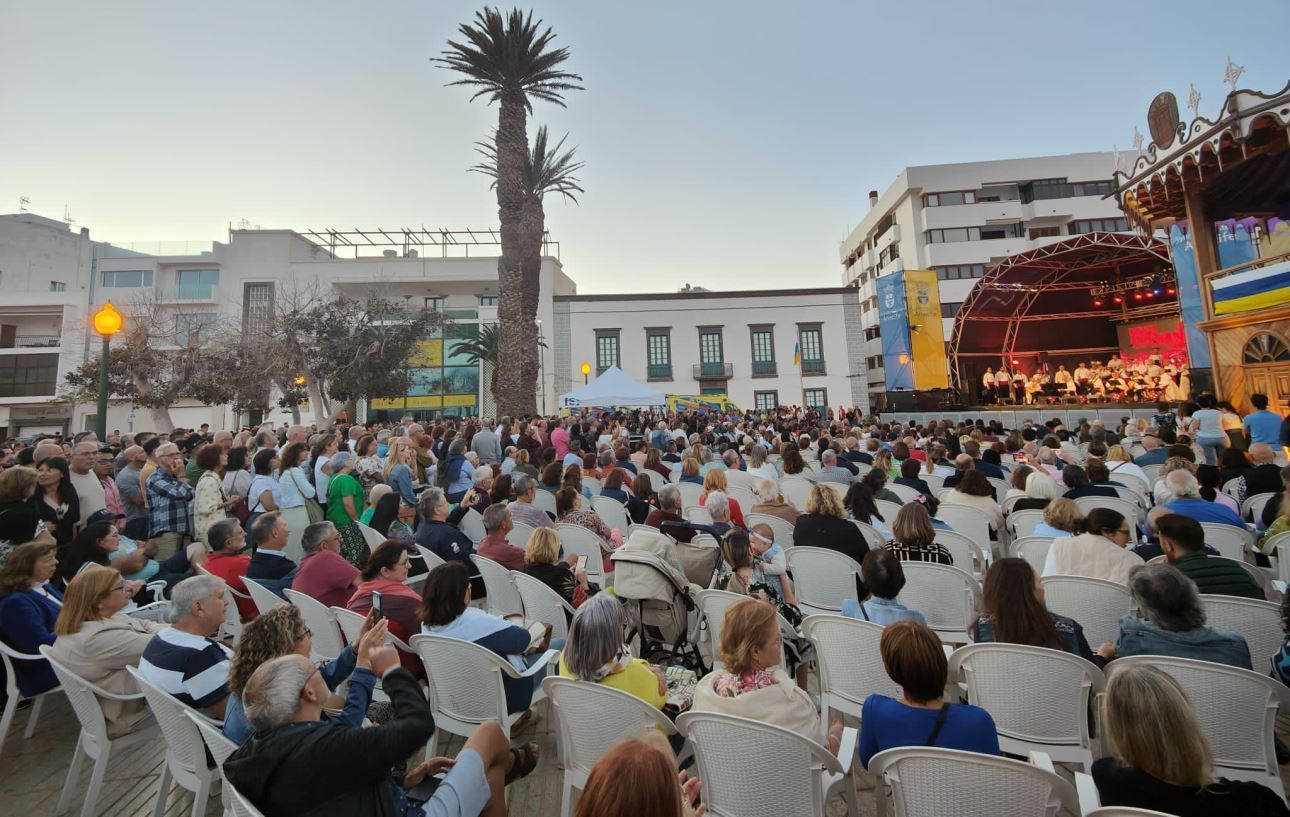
(410, 242)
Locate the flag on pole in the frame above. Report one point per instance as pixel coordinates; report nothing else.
(797, 353)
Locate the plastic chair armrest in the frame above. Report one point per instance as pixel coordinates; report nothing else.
(158, 591)
(1086, 789)
(847, 747)
(1043, 761)
(539, 666)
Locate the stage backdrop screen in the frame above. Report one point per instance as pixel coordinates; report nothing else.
(893, 321)
(926, 336)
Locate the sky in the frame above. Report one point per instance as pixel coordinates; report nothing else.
(727, 145)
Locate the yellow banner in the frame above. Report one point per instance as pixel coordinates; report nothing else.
(926, 338)
(426, 353)
(430, 401)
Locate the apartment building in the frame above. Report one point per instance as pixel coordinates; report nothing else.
(959, 219)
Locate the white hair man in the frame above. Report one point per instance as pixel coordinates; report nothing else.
(1187, 501)
(184, 660)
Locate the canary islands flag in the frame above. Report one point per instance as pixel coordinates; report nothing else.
(797, 353)
(1252, 289)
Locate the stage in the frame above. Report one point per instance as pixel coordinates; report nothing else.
(1016, 416)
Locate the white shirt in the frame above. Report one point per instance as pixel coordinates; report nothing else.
(321, 479)
(90, 492)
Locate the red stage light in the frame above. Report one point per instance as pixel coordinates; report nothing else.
(1169, 291)
(1150, 294)
(1016, 363)
(1137, 296)
(1118, 299)
(1097, 302)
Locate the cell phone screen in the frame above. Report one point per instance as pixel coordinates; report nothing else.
(376, 604)
(582, 562)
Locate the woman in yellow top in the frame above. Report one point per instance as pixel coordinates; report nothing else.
(595, 651)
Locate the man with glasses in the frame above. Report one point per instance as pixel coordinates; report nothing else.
(324, 574)
(130, 486)
(168, 503)
(89, 490)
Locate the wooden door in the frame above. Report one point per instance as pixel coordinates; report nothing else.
(1272, 380)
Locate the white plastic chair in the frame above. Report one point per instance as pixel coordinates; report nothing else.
(371, 536)
(593, 485)
(929, 782)
(1258, 622)
(1097, 604)
(93, 741)
(1023, 523)
(1039, 698)
(906, 493)
(582, 542)
(967, 554)
(690, 493)
(220, 748)
(871, 535)
(466, 684)
(351, 624)
(713, 605)
(1237, 710)
(795, 490)
(822, 578)
(232, 626)
(501, 598)
(946, 596)
(327, 643)
(241, 805)
(783, 529)
(612, 511)
(431, 559)
(851, 667)
(472, 524)
(1228, 540)
(1233, 488)
(888, 509)
(656, 480)
(544, 500)
(971, 522)
(697, 514)
(8, 656)
(543, 604)
(592, 718)
(185, 751)
(1137, 486)
(1034, 549)
(519, 534)
(788, 775)
(934, 481)
(264, 598)
(1252, 507)
(744, 496)
(1153, 473)
(1001, 488)
(1131, 511)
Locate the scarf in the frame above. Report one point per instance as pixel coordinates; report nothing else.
(618, 663)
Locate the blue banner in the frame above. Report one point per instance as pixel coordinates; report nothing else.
(1190, 302)
(893, 322)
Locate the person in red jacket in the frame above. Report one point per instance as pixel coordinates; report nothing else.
(227, 541)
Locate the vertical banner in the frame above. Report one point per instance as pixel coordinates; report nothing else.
(1234, 242)
(897, 363)
(926, 335)
(1191, 304)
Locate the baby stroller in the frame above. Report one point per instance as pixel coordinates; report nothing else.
(652, 584)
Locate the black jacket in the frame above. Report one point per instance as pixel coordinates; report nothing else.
(1264, 479)
(322, 768)
(915, 483)
(842, 535)
(264, 566)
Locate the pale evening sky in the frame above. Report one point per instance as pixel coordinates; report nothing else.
(728, 145)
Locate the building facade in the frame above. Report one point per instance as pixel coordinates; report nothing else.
(958, 219)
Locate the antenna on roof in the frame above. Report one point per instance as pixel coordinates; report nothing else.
(67, 216)
(23, 201)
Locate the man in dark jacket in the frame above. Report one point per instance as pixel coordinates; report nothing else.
(297, 764)
(270, 562)
(1182, 540)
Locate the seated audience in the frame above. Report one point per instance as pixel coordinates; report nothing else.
(393, 518)
(95, 640)
(1062, 518)
(715, 481)
(718, 505)
(1013, 612)
(184, 660)
(1159, 757)
(1173, 621)
(914, 538)
(384, 575)
(497, 525)
(614, 486)
(438, 532)
(325, 575)
(568, 510)
(909, 477)
(522, 509)
(228, 561)
(95, 544)
(975, 491)
(1211, 485)
(639, 776)
(825, 525)
(770, 566)
(1100, 552)
(669, 510)
(913, 658)
(1182, 541)
(596, 652)
(542, 561)
(883, 578)
(643, 498)
(29, 608)
(830, 471)
(1017, 482)
(1185, 499)
(269, 563)
(861, 507)
(876, 480)
(773, 504)
(1078, 482)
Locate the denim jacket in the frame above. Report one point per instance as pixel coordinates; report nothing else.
(1139, 637)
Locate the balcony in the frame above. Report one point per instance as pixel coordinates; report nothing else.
(763, 368)
(812, 367)
(713, 371)
(31, 342)
(658, 371)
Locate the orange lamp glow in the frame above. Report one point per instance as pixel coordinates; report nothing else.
(586, 368)
(107, 321)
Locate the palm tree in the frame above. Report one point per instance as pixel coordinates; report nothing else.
(481, 346)
(510, 61)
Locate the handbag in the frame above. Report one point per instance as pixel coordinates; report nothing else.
(312, 509)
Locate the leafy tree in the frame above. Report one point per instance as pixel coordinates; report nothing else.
(509, 60)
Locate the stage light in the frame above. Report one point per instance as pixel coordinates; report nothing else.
(1118, 299)
(1155, 292)
(1169, 291)
(1097, 302)
(1137, 296)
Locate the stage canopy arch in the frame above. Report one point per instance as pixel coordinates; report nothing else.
(1060, 303)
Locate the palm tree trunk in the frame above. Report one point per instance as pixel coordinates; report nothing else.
(532, 227)
(512, 149)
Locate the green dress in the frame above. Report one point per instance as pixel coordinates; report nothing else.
(352, 544)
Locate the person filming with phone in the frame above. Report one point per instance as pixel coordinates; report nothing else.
(567, 576)
(383, 591)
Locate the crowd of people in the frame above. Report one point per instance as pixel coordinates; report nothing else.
(120, 553)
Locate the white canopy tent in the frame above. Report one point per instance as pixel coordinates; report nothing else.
(613, 388)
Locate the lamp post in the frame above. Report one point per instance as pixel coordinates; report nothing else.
(586, 371)
(107, 322)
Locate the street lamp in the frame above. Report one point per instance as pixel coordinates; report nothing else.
(107, 322)
(586, 371)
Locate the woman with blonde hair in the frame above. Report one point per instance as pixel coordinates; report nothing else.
(1118, 461)
(715, 480)
(95, 640)
(400, 465)
(690, 471)
(825, 525)
(542, 561)
(752, 684)
(1161, 759)
(1062, 518)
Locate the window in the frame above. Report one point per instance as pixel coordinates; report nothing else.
(1265, 347)
(889, 253)
(193, 328)
(763, 351)
(953, 234)
(57, 286)
(765, 400)
(950, 310)
(28, 375)
(127, 279)
(1092, 188)
(257, 310)
(487, 300)
(1045, 189)
(815, 398)
(435, 303)
(873, 333)
(960, 272)
(658, 347)
(947, 199)
(1043, 232)
(874, 362)
(812, 345)
(606, 349)
(1099, 225)
(196, 284)
(710, 346)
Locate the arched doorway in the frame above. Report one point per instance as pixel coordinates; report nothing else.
(1266, 360)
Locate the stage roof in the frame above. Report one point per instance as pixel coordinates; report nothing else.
(1042, 299)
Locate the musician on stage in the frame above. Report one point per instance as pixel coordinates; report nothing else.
(1034, 388)
(1082, 378)
(1115, 387)
(987, 385)
(1002, 383)
(1154, 368)
(1018, 387)
(1063, 380)
(1116, 363)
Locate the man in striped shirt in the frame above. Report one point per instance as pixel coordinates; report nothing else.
(183, 660)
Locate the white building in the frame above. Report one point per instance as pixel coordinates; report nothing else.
(958, 219)
(740, 344)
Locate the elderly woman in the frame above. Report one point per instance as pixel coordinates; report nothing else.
(1041, 489)
(446, 611)
(568, 510)
(29, 608)
(542, 561)
(825, 525)
(1173, 621)
(1062, 517)
(913, 658)
(1160, 758)
(282, 631)
(95, 640)
(210, 504)
(884, 578)
(718, 506)
(913, 537)
(345, 506)
(1100, 552)
(384, 576)
(1012, 612)
(596, 652)
(752, 684)
(975, 491)
(715, 481)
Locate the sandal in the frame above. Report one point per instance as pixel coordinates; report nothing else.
(526, 760)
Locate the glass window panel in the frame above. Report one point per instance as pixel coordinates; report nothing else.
(811, 344)
(660, 349)
(763, 346)
(461, 379)
(710, 347)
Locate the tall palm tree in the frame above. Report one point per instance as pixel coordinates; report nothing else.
(481, 346)
(510, 61)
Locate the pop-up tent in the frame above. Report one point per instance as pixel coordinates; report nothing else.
(612, 388)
